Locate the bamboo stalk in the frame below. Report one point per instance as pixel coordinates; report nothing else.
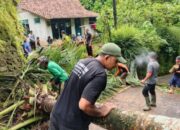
(25, 123)
(11, 108)
(15, 86)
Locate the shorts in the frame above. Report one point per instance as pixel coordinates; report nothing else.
(175, 81)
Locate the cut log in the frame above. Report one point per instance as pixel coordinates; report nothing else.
(126, 120)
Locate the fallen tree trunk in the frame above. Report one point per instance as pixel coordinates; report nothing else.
(124, 120)
(128, 120)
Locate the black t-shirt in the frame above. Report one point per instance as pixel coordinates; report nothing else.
(87, 80)
(178, 74)
(88, 38)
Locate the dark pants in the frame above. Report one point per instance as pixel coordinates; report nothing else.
(149, 88)
(33, 45)
(89, 50)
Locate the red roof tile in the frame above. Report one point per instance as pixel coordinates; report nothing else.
(51, 9)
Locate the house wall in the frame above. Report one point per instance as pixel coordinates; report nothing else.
(41, 29)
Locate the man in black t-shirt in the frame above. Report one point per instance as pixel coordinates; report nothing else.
(88, 37)
(76, 105)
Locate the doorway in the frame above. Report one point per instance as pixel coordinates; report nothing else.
(60, 24)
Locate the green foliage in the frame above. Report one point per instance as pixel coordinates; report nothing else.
(67, 56)
(125, 37)
(150, 38)
(136, 13)
(134, 41)
(10, 29)
(169, 51)
(105, 23)
(95, 5)
(113, 85)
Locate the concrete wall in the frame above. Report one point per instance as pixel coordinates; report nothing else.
(41, 29)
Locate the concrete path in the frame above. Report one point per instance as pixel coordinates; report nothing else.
(132, 100)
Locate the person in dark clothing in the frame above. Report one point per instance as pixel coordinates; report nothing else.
(75, 107)
(150, 81)
(38, 42)
(49, 40)
(88, 38)
(175, 80)
(32, 40)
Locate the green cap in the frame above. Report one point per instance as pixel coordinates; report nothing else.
(113, 50)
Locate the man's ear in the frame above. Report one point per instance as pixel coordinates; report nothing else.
(106, 57)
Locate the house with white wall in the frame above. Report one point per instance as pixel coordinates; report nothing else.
(49, 17)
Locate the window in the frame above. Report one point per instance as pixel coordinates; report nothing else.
(37, 20)
(92, 20)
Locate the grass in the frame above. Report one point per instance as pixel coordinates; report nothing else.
(165, 88)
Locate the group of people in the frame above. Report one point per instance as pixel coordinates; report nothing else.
(31, 43)
(76, 105)
(86, 39)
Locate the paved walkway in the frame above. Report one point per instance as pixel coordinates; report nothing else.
(132, 100)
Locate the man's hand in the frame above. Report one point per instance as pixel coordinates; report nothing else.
(176, 67)
(107, 108)
(143, 81)
(95, 110)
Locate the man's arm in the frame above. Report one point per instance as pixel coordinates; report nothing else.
(89, 96)
(172, 70)
(117, 72)
(54, 72)
(148, 75)
(93, 110)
